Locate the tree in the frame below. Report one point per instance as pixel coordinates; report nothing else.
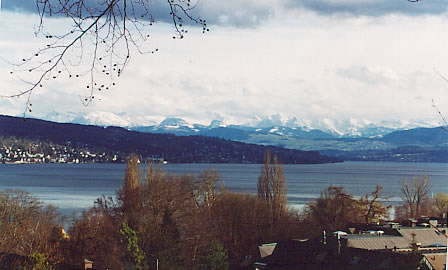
(372, 209)
(134, 253)
(26, 226)
(215, 259)
(240, 223)
(95, 235)
(130, 194)
(333, 210)
(414, 193)
(440, 202)
(272, 187)
(99, 43)
(206, 192)
(40, 262)
(164, 215)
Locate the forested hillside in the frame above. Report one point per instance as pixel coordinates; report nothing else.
(174, 149)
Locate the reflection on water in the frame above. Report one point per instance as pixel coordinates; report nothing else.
(74, 187)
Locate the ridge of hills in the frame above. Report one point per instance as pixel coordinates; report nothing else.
(411, 145)
(172, 148)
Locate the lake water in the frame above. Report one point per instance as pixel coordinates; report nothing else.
(74, 187)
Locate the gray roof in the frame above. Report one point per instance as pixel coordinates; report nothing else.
(425, 236)
(377, 242)
(266, 250)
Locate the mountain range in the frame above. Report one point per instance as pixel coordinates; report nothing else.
(347, 128)
(172, 148)
(373, 143)
(395, 141)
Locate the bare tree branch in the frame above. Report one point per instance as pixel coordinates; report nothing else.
(414, 193)
(102, 37)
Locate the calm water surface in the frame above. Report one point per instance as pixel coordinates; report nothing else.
(74, 187)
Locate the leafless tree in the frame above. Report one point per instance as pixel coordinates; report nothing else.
(443, 123)
(333, 210)
(415, 192)
(25, 224)
(206, 190)
(98, 46)
(272, 187)
(371, 207)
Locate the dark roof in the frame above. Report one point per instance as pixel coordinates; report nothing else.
(12, 261)
(294, 252)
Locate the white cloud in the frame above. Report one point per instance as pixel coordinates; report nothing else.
(299, 64)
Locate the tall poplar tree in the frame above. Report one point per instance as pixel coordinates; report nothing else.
(272, 186)
(130, 192)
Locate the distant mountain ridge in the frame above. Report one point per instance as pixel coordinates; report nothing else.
(367, 141)
(348, 128)
(380, 143)
(175, 149)
(178, 126)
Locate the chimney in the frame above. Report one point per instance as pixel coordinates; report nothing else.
(324, 237)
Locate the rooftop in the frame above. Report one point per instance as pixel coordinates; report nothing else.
(425, 237)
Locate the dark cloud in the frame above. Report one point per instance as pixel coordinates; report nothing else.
(160, 10)
(231, 12)
(246, 13)
(19, 5)
(372, 7)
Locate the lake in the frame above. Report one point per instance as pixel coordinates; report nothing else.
(74, 187)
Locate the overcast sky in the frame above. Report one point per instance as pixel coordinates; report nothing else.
(315, 60)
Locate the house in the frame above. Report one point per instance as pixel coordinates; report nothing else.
(365, 247)
(434, 261)
(416, 238)
(88, 264)
(293, 254)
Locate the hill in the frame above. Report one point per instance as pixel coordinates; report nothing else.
(174, 149)
(429, 137)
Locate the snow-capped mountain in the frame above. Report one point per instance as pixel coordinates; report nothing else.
(174, 123)
(217, 124)
(295, 132)
(99, 118)
(92, 118)
(273, 125)
(355, 128)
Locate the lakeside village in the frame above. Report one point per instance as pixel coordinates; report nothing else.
(22, 152)
(61, 154)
